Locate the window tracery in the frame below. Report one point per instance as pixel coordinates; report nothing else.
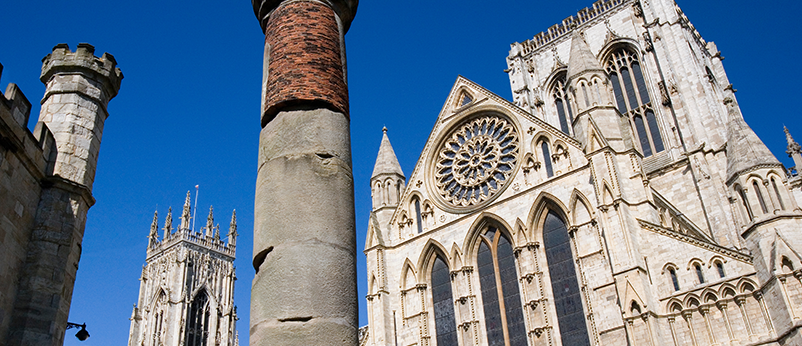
(632, 99)
(564, 281)
(443, 301)
(476, 160)
(563, 104)
(500, 291)
(197, 331)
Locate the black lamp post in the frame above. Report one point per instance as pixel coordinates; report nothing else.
(81, 334)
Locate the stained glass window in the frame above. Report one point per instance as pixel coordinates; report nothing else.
(547, 159)
(564, 283)
(198, 321)
(632, 97)
(500, 291)
(444, 321)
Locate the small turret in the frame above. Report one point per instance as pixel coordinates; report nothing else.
(794, 151)
(745, 151)
(387, 180)
(185, 215)
(154, 230)
(232, 229)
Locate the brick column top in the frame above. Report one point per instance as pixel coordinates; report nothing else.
(345, 9)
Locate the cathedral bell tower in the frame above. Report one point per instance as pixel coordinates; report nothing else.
(186, 292)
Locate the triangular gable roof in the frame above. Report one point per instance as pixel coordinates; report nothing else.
(452, 110)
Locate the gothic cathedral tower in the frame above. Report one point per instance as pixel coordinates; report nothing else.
(186, 294)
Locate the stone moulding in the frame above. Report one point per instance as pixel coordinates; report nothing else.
(690, 240)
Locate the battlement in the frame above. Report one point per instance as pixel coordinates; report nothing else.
(196, 238)
(556, 31)
(62, 60)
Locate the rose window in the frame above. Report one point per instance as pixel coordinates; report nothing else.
(475, 160)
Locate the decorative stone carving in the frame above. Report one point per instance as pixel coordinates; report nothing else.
(475, 161)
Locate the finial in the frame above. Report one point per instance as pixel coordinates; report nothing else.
(232, 229)
(154, 229)
(217, 231)
(384, 129)
(185, 214)
(793, 146)
(168, 223)
(210, 222)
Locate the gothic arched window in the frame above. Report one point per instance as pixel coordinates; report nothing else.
(720, 269)
(444, 322)
(745, 203)
(418, 216)
(760, 199)
(198, 320)
(674, 281)
(699, 275)
(777, 192)
(564, 282)
(547, 158)
(504, 319)
(632, 98)
(563, 105)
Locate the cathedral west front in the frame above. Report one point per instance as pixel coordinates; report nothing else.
(619, 199)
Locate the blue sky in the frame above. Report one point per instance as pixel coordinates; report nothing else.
(188, 110)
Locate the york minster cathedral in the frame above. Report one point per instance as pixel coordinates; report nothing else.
(619, 199)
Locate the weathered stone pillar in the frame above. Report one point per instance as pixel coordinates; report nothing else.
(304, 291)
(79, 87)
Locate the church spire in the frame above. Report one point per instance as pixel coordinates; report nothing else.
(581, 59)
(168, 223)
(794, 150)
(185, 214)
(232, 229)
(744, 149)
(387, 180)
(154, 229)
(210, 222)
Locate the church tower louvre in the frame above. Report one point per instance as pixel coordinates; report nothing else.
(186, 292)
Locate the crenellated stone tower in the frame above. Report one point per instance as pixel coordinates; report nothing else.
(304, 290)
(186, 293)
(49, 190)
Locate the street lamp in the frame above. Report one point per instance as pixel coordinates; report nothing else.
(81, 334)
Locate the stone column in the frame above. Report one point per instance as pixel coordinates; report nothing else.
(304, 291)
(79, 86)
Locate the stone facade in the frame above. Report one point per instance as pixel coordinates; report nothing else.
(46, 189)
(186, 293)
(620, 199)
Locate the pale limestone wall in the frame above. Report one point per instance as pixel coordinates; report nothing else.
(179, 267)
(636, 218)
(22, 163)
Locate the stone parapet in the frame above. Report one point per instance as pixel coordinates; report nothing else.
(187, 235)
(103, 69)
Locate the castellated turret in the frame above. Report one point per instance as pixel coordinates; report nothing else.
(186, 292)
(51, 191)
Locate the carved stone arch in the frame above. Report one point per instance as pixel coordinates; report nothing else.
(692, 301)
(155, 297)
(409, 278)
(410, 198)
(619, 43)
(709, 296)
(520, 232)
(746, 286)
(714, 259)
(537, 214)
(674, 306)
(209, 294)
(372, 284)
(775, 174)
(555, 75)
(667, 266)
(695, 261)
(607, 194)
(471, 243)
(426, 259)
(456, 256)
(580, 208)
(727, 290)
(632, 297)
(461, 93)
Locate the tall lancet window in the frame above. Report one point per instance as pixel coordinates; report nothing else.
(504, 318)
(198, 320)
(544, 146)
(564, 283)
(418, 219)
(563, 105)
(632, 98)
(444, 322)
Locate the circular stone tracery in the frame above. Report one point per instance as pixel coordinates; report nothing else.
(475, 160)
